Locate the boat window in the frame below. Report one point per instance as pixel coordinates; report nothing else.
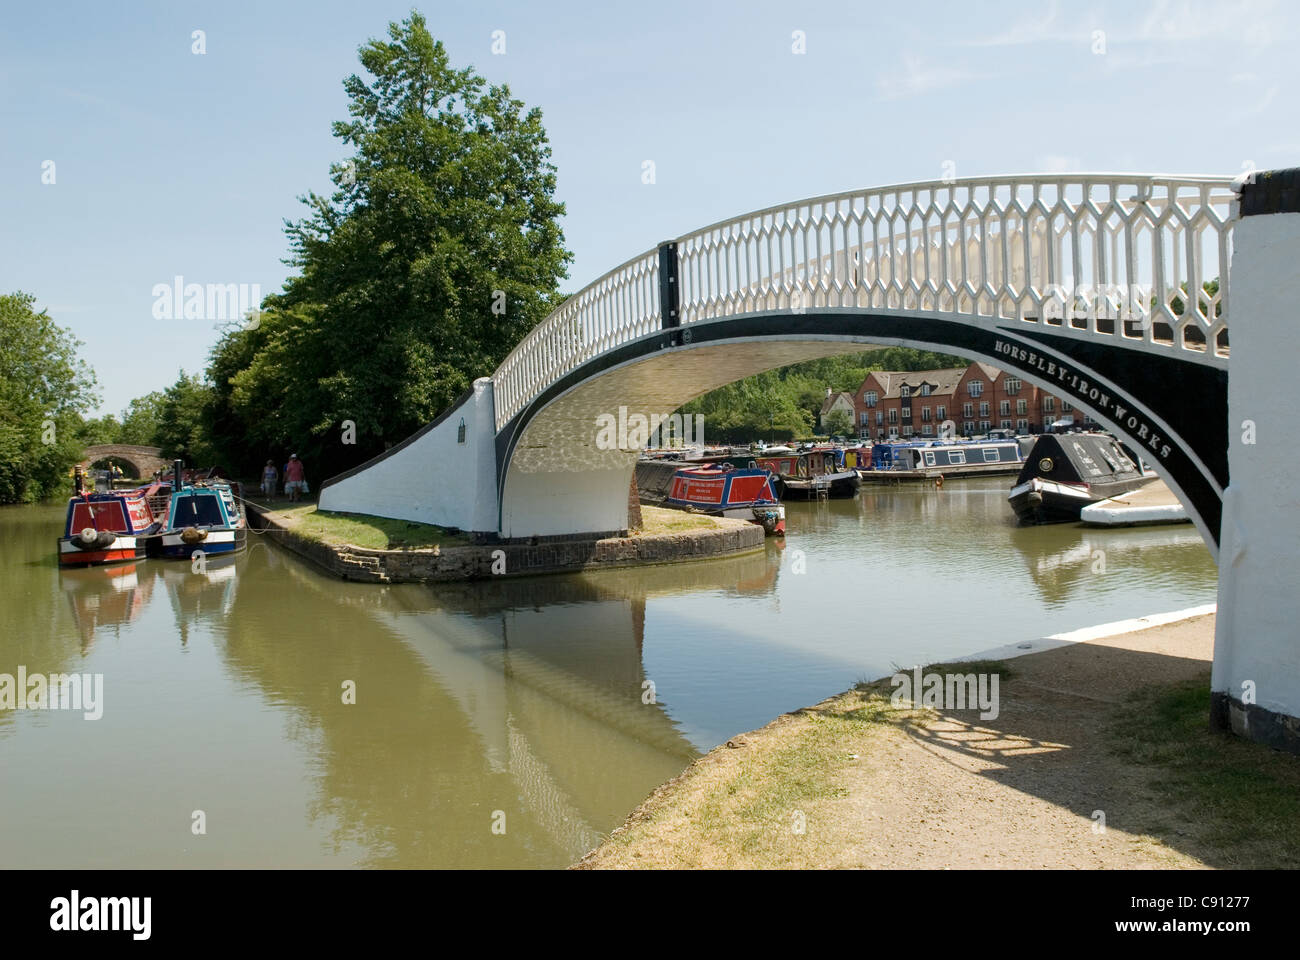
(957, 456)
(990, 453)
(197, 511)
(929, 458)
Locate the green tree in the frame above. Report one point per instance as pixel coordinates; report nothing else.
(105, 429)
(140, 420)
(45, 389)
(839, 423)
(438, 250)
(182, 430)
(785, 403)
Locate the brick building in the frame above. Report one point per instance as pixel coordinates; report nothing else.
(975, 399)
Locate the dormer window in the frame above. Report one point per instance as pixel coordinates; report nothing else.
(925, 389)
(904, 391)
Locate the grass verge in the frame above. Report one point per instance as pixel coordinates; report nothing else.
(666, 520)
(360, 530)
(1189, 794)
(1238, 799)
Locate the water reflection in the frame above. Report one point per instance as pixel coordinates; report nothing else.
(527, 699)
(103, 599)
(1078, 558)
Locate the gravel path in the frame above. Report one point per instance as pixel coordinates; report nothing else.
(934, 790)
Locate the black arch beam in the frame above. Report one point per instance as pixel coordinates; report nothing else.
(1191, 398)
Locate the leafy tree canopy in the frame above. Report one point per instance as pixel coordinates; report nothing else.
(438, 250)
(181, 430)
(839, 423)
(44, 391)
(140, 420)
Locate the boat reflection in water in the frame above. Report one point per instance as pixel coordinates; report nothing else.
(524, 696)
(200, 592)
(106, 597)
(1096, 561)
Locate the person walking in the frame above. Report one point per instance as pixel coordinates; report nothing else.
(295, 478)
(270, 476)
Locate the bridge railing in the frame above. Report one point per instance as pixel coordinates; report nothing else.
(620, 306)
(1142, 259)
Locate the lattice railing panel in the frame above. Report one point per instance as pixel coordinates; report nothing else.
(620, 306)
(1125, 257)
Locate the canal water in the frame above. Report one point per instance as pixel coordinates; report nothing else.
(499, 724)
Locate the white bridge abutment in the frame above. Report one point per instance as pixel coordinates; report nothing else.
(1256, 677)
(445, 474)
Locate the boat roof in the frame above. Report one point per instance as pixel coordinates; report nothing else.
(1080, 457)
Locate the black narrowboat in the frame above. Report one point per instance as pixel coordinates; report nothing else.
(1066, 472)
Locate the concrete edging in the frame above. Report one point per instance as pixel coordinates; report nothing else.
(476, 562)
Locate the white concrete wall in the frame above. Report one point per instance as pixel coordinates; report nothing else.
(585, 501)
(1257, 639)
(435, 479)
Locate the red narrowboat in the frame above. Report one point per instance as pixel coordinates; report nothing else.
(744, 494)
(109, 527)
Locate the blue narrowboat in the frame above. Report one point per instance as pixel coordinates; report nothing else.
(949, 457)
(204, 515)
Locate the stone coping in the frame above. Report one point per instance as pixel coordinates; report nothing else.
(511, 559)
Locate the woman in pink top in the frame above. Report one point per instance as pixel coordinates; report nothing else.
(295, 478)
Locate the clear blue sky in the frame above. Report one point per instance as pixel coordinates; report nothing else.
(168, 162)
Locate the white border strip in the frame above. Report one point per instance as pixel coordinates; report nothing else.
(1085, 634)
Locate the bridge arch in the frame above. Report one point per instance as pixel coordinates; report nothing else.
(145, 460)
(553, 478)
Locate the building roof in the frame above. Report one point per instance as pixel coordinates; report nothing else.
(833, 399)
(942, 382)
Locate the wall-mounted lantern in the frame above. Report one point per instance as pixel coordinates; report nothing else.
(460, 431)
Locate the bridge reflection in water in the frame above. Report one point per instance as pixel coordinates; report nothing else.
(224, 690)
(525, 696)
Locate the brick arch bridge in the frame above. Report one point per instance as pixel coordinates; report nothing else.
(145, 460)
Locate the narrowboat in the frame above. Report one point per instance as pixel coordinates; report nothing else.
(1066, 472)
(203, 515)
(744, 494)
(811, 474)
(950, 458)
(113, 526)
